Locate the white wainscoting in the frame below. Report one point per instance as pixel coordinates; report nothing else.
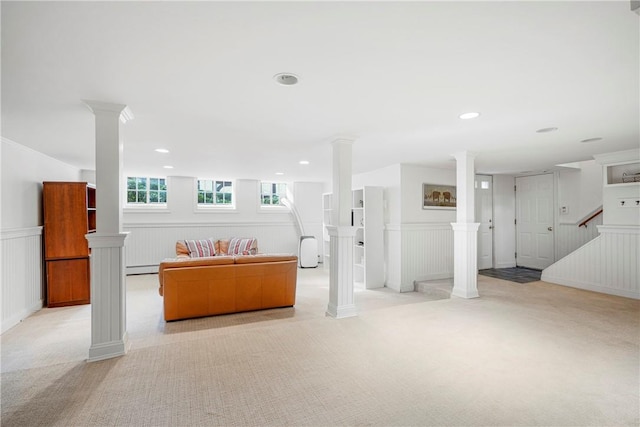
(21, 289)
(426, 253)
(570, 237)
(607, 264)
(148, 244)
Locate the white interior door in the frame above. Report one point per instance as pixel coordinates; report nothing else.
(534, 221)
(484, 215)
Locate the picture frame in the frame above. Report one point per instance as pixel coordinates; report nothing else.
(438, 196)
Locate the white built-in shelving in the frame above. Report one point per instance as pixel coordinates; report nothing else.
(367, 217)
(326, 220)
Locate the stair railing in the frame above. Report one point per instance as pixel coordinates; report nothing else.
(590, 217)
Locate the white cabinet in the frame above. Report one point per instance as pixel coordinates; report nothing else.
(368, 253)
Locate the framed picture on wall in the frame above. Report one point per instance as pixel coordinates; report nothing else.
(436, 196)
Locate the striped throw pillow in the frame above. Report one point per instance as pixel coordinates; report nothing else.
(243, 246)
(201, 248)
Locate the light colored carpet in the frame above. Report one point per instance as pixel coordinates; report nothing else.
(534, 354)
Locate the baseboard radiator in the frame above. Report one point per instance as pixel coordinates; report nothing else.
(607, 264)
(22, 286)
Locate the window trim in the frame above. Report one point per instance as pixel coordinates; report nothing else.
(279, 208)
(209, 208)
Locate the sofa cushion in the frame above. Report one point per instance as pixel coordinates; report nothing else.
(181, 249)
(201, 248)
(222, 246)
(251, 259)
(243, 246)
(190, 262)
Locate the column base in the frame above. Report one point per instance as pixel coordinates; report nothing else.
(109, 350)
(465, 264)
(465, 293)
(342, 311)
(108, 296)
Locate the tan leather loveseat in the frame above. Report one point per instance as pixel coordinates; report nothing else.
(197, 287)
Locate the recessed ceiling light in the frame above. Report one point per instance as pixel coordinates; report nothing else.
(304, 162)
(470, 115)
(279, 173)
(168, 167)
(286, 79)
(592, 139)
(162, 150)
(545, 130)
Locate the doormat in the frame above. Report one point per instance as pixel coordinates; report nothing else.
(514, 274)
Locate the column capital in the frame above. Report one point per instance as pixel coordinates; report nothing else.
(106, 240)
(343, 139)
(99, 107)
(465, 155)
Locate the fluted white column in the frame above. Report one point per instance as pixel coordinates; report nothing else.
(341, 234)
(465, 229)
(108, 300)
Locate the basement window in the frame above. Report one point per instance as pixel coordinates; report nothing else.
(272, 193)
(214, 193)
(145, 191)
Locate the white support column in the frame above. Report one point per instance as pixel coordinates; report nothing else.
(465, 243)
(341, 234)
(108, 300)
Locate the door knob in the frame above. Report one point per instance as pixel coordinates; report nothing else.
(490, 227)
(550, 228)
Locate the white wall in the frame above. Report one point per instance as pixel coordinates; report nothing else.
(22, 171)
(504, 214)
(580, 191)
(412, 178)
(153, 232)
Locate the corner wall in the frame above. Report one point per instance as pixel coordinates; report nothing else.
(22, 274)
(418, 242)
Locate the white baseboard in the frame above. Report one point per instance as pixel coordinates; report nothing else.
(16, 319)
(436, 276)
(142, 269)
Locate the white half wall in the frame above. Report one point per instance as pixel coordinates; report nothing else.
(570, 237)
(607, 264)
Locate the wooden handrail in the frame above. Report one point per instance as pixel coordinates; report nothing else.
(598, 212)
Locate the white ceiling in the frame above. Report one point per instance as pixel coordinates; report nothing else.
(198, 78)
